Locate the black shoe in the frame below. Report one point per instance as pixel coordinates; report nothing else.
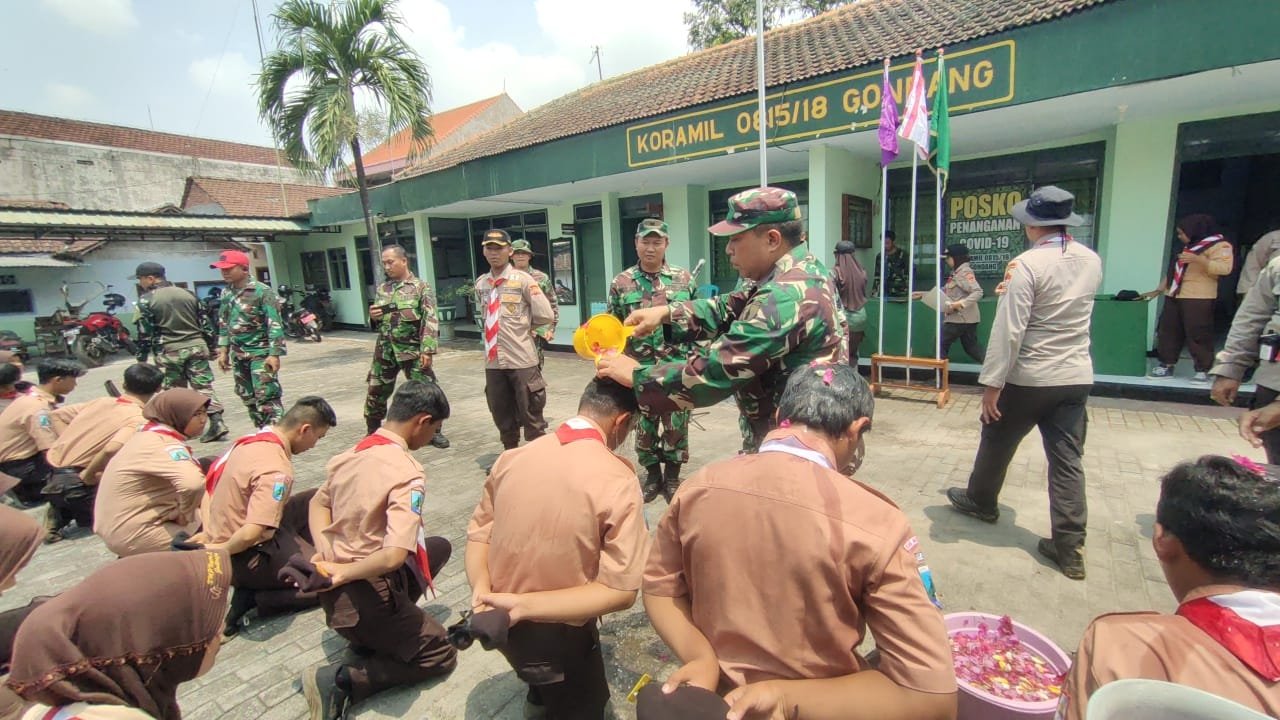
(651, 488)
(1072, 565)
(440, 441)
(242, 601)
(215, 430)
(325, 699)
(371, 425)
(670, 481)
(961, 503)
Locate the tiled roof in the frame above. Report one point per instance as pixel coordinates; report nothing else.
(254, 199)
(66, 247)
(35, 204)
(443, 123)
(851, 36)
(26, 125)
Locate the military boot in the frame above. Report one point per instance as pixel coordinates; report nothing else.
(215, 431)
(670, 481)
(371, 425)
(651, 488)
(440, 441)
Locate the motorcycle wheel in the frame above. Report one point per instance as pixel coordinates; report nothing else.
(315, 334)
(87, 352)
(291, 330)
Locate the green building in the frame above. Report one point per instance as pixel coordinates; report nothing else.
(1146, 109)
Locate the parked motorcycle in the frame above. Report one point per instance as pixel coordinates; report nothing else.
(10, 341)
(101, 333)
(321, 305)
(298, 322)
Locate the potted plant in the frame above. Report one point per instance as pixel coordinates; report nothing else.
(447, 313)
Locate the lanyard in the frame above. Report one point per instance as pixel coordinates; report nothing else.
(782, 446)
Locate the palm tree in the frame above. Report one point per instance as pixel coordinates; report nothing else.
(307, 89)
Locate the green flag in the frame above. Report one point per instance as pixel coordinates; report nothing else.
(940, 128)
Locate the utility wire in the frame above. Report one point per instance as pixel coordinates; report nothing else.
(235, 12)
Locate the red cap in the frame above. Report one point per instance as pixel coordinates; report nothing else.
(231, 258)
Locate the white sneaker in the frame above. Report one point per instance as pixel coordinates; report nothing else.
(1200, 377)
(1161, 372)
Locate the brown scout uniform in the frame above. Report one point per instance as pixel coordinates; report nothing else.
(856, 565)
(535, 545)
(514, 387)
(26, 431)
(375, 497)
(86, 430)
(148, 494)
(1154, 646)
(255, 486)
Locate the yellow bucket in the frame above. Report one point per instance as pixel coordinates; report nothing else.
(601, 335)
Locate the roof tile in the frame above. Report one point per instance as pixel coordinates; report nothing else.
(255, 199)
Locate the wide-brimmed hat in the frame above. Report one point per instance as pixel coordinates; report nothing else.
(1047, 206)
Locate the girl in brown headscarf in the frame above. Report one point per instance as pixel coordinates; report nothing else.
(19, 537)
(151, 489)
(851, 283)
(104, 646)
(1202, 256)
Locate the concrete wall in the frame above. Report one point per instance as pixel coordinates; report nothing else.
(349, 304)
(100, 178)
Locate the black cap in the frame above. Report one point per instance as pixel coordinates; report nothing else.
(496, 237)
(148, 269)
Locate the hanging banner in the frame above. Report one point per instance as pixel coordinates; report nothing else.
(979, 219)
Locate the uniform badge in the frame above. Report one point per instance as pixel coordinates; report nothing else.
(278, 490)
(45, 421)
(177, 453)
(415, 501)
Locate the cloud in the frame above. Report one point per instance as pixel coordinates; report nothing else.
(66, 99)
(229, 75)
(463, 72)
(105, 17)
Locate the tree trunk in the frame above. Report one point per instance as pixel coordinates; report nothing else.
(375, 243)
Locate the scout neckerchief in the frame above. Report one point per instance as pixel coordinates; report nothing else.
(420, 553)
(1180, 268)
(165, 430)
(491, 320)
(1245, 623)
(793, 446)
(9, 395)
(215, 470)
(575, 428)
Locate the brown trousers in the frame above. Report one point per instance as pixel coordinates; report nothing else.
(516, 399)
(563, 667)
(396, 642)
(257, 568)
(1189, 322)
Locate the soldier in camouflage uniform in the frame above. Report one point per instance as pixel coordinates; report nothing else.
(521, 256)
(408, 335)
(652, 283)
(785, 318)
(168, 316)
(251, 338)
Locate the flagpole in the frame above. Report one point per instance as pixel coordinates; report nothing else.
(884, 227)
(937, 280)
(760, 92)
(911, 256)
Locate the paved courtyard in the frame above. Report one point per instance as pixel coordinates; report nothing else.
(914, 453)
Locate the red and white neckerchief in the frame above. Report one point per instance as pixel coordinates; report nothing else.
(420, 552)
(212, 477)
(1181, 267)
(575, 429)
(1245, 623)
(12, 394)
(492, 307)
(65, 712)
(125, 401)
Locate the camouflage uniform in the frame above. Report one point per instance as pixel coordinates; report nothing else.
(249, 325)
(633, 289)
(405, 334)
(543, 334)
(758, 334)
(168, 316)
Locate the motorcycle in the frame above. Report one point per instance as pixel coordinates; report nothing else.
(10, 341)
(100, 333)
(298, 322)
(321, 305)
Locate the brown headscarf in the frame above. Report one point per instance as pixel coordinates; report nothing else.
(174, 407)
(19, 538)
(129, 634)
(851, 279)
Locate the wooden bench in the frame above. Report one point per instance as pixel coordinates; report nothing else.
(943, 366)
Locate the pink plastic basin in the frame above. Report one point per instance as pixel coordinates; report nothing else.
(975, 704)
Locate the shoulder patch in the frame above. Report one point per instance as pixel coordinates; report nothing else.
(177, 453)
(45, 421)
(278, 489)
(415, 501)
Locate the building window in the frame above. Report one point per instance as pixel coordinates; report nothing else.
(722, 273)
(313, 269)
(339, 273)
(16, 302)
(400, 233)
(631, 211)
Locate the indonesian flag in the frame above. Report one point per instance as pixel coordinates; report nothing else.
(915, 117)
(1245, 623)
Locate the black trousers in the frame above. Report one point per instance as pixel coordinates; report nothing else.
(516, 399)
(32, 472)
(1059, 412)
(69, 499)
(562, 666)
(1271, 438)
(967, 334)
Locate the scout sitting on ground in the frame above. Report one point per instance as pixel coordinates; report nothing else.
(849, 562)
(248, 512)
(94, 432)
(1217, 536)
(367, 523)
(27, 429)
(150, 491)
(558, 540)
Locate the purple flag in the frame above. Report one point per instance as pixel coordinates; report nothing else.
(888, 121)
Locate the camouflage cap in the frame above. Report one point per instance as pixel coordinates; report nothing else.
(757, 206)
(522, 246)
(496, 237)
(652, 226)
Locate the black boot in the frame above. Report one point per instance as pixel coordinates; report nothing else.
(215, 431)
(242, 601)
(1069, 560)
(670, 481)
(371, 425)
(651, 488)
(440, 441)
